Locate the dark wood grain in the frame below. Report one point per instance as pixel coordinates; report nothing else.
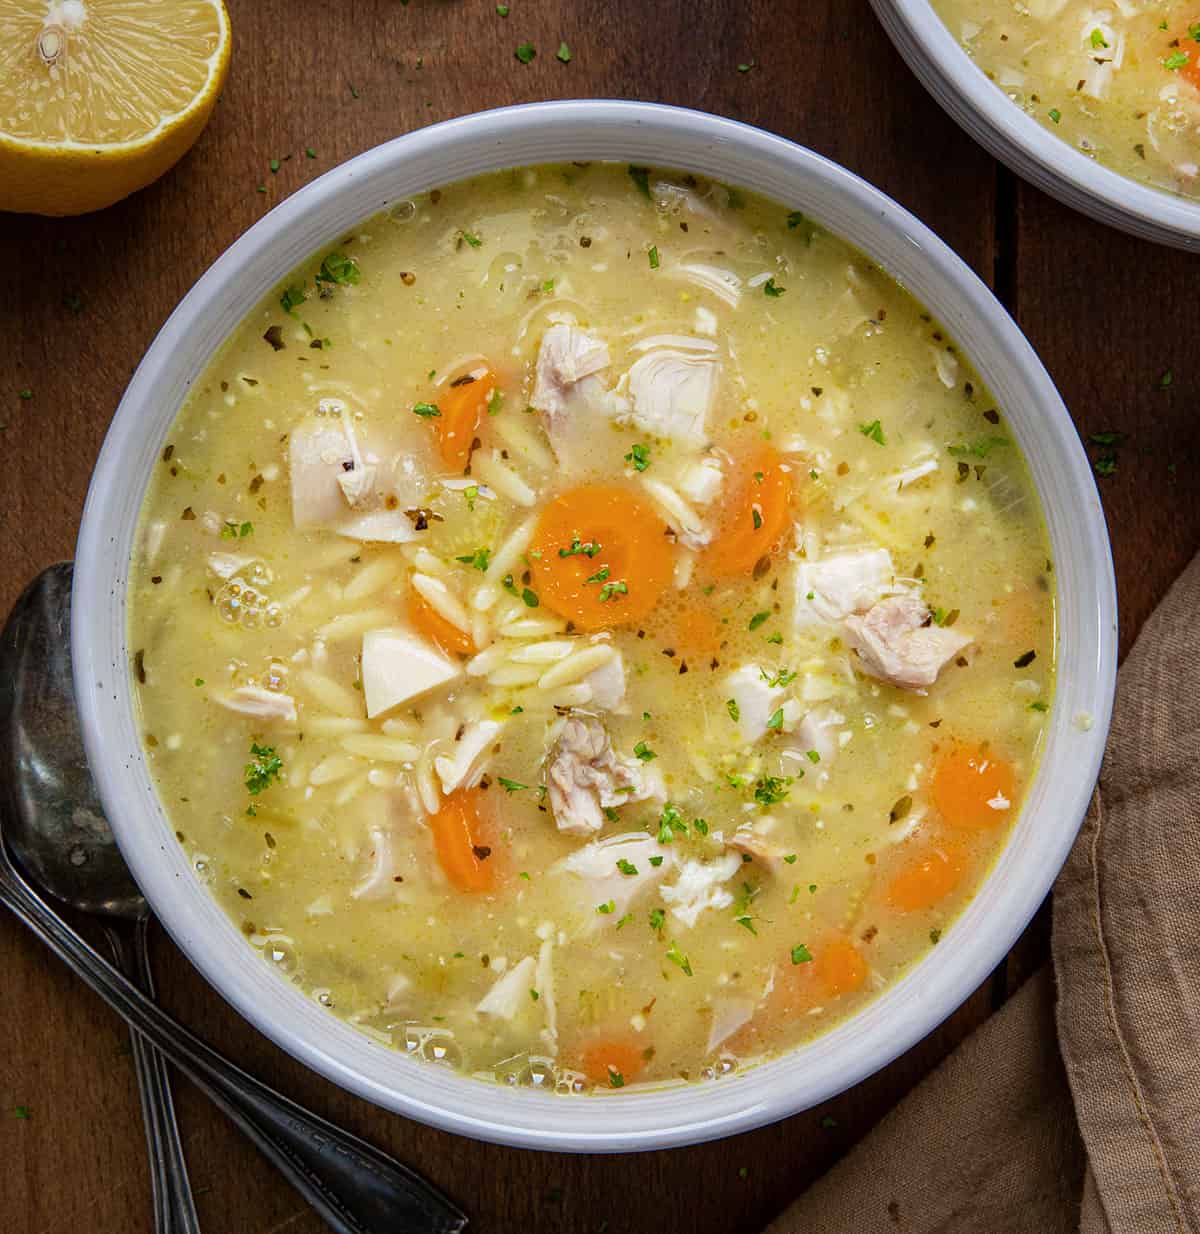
(86, 297)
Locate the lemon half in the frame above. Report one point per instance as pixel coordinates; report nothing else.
(99, 97)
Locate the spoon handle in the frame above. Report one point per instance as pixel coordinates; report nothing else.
(353, 1186)
(174, 1208)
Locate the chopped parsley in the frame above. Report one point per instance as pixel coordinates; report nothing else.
(590, 549)
(812, 756)
(1098, 39)
(530, 597)
(790, 858)
(610, 906)
(479, 559)
(641, 177)
(339, 270)
(748, 923)
(781, 679)
(502, 9)
(678, 958)
(236, 531)
(426, 410)
(978, 449)
(735, 712)
(472, 239)
(510, 786)
(658, 917)
(626, 867)
(609, 590)
(639, 457)
(1054, 114)
(534, 994)
(801, 954)
(795, 219)
(624, 921)
(274, 166)
(310, 152)
(700, 826)
(22, 1112)
(874, 431)
(656, 861)
(1176, 60)
(264, 770)
(25, 395)
(771, 288)
(758, 619)
(525, 52)
(1038, 705)
(770, 790)
(776, 720)
(670, 821)
(293, 295)
(615, 1078)
(563, 53)
(653, 256)
(643, 751)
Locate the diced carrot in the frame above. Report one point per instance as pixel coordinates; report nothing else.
(460, 411)
(600, 557)
(973, 789)
(1189, 46)
(428, 621)
(467, 863)
(926, 878)
(754, 514)
(612, 1061)
(839, 966)
(697, 630)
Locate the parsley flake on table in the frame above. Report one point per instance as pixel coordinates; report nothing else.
(525, 52)
(563, 53)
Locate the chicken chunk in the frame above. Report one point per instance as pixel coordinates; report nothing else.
(259, 704)
(585, 776)
(754, 700)
(397, 666)
(464, 766)
(607, 684)
(596, 865)
(897, 643)
(673, 389)
(700, 886)
(833, 587)
(568, 366)
(510, 994)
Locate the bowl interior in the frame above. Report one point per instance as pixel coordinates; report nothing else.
(802, 180)
(1018, 140)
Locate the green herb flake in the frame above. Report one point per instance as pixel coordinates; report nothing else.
(746, 66)
(615, 1078)
(624, 921)
(658, 917)
(1176, 60)
(874, 431)
(25, 395)
(1164, 382)
(427, 411)
(653, 256)
(510, 786)
(700, 826)
(1097, 38)
(563, 53)
(611, 590)
(472, 239)
(338, 270)
(533, 994)
(679, 959)
(771, 790)
(1054, 114)
(935, 936)
(656, 861)
(22, 1113)
(747, 923)
(525, 52)
(772, 288)
(503, 10)
(758, 619)
(626, 867)
(264, 770)
(274, 166)
(643, 751)
(479, 559)
(795, 219)
(310, 152)
(641, 177)
(978, 449)
(638, 458)
(828, 1122)
(530, 598)
(669, 822)
(469, 494)
(801, 954)
(1038, 705)
(609, 906)
(735, 712)
(776, 720)
(292, 296)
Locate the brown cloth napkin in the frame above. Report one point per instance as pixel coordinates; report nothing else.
(1095, 1129)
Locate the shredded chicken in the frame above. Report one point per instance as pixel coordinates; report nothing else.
(464, 766)
(833, 587)
(605, 881)
(584, 777)
(568, 362)
(673, 389)
(699, 886)
(510, 993)
(258, 703)
(379, 879)
(897, 643)
(762, 848)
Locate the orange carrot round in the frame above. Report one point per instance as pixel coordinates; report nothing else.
(973, 789)
(754, 514)
(1190, 71)
(467, 862)
(612, 1061)
(428, 621)
(600, 557)
(461, 408)
(926, 879)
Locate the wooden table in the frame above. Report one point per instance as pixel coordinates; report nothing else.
(1109, 315)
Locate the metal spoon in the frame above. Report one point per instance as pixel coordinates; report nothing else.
(51, 820)
(59, 833)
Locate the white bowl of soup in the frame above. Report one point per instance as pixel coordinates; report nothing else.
(593, 628)
(1096, 104)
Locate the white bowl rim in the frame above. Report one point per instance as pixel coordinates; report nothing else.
(1017, 139)
(978, 940)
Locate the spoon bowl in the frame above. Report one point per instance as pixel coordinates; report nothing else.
(53, 819)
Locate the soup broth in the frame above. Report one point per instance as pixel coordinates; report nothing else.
(592, 627)
(1118, 81)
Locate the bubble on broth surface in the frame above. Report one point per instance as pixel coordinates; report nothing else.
(440, 1047)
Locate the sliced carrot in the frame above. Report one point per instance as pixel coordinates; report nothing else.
(461, 408)
(1190, 47)
(697, 630)
(839, 967)
(973, 789)
(428, 621)
(926, 878)
(456, 841)
(612, 1061)
(600, 557)
(754, 514)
